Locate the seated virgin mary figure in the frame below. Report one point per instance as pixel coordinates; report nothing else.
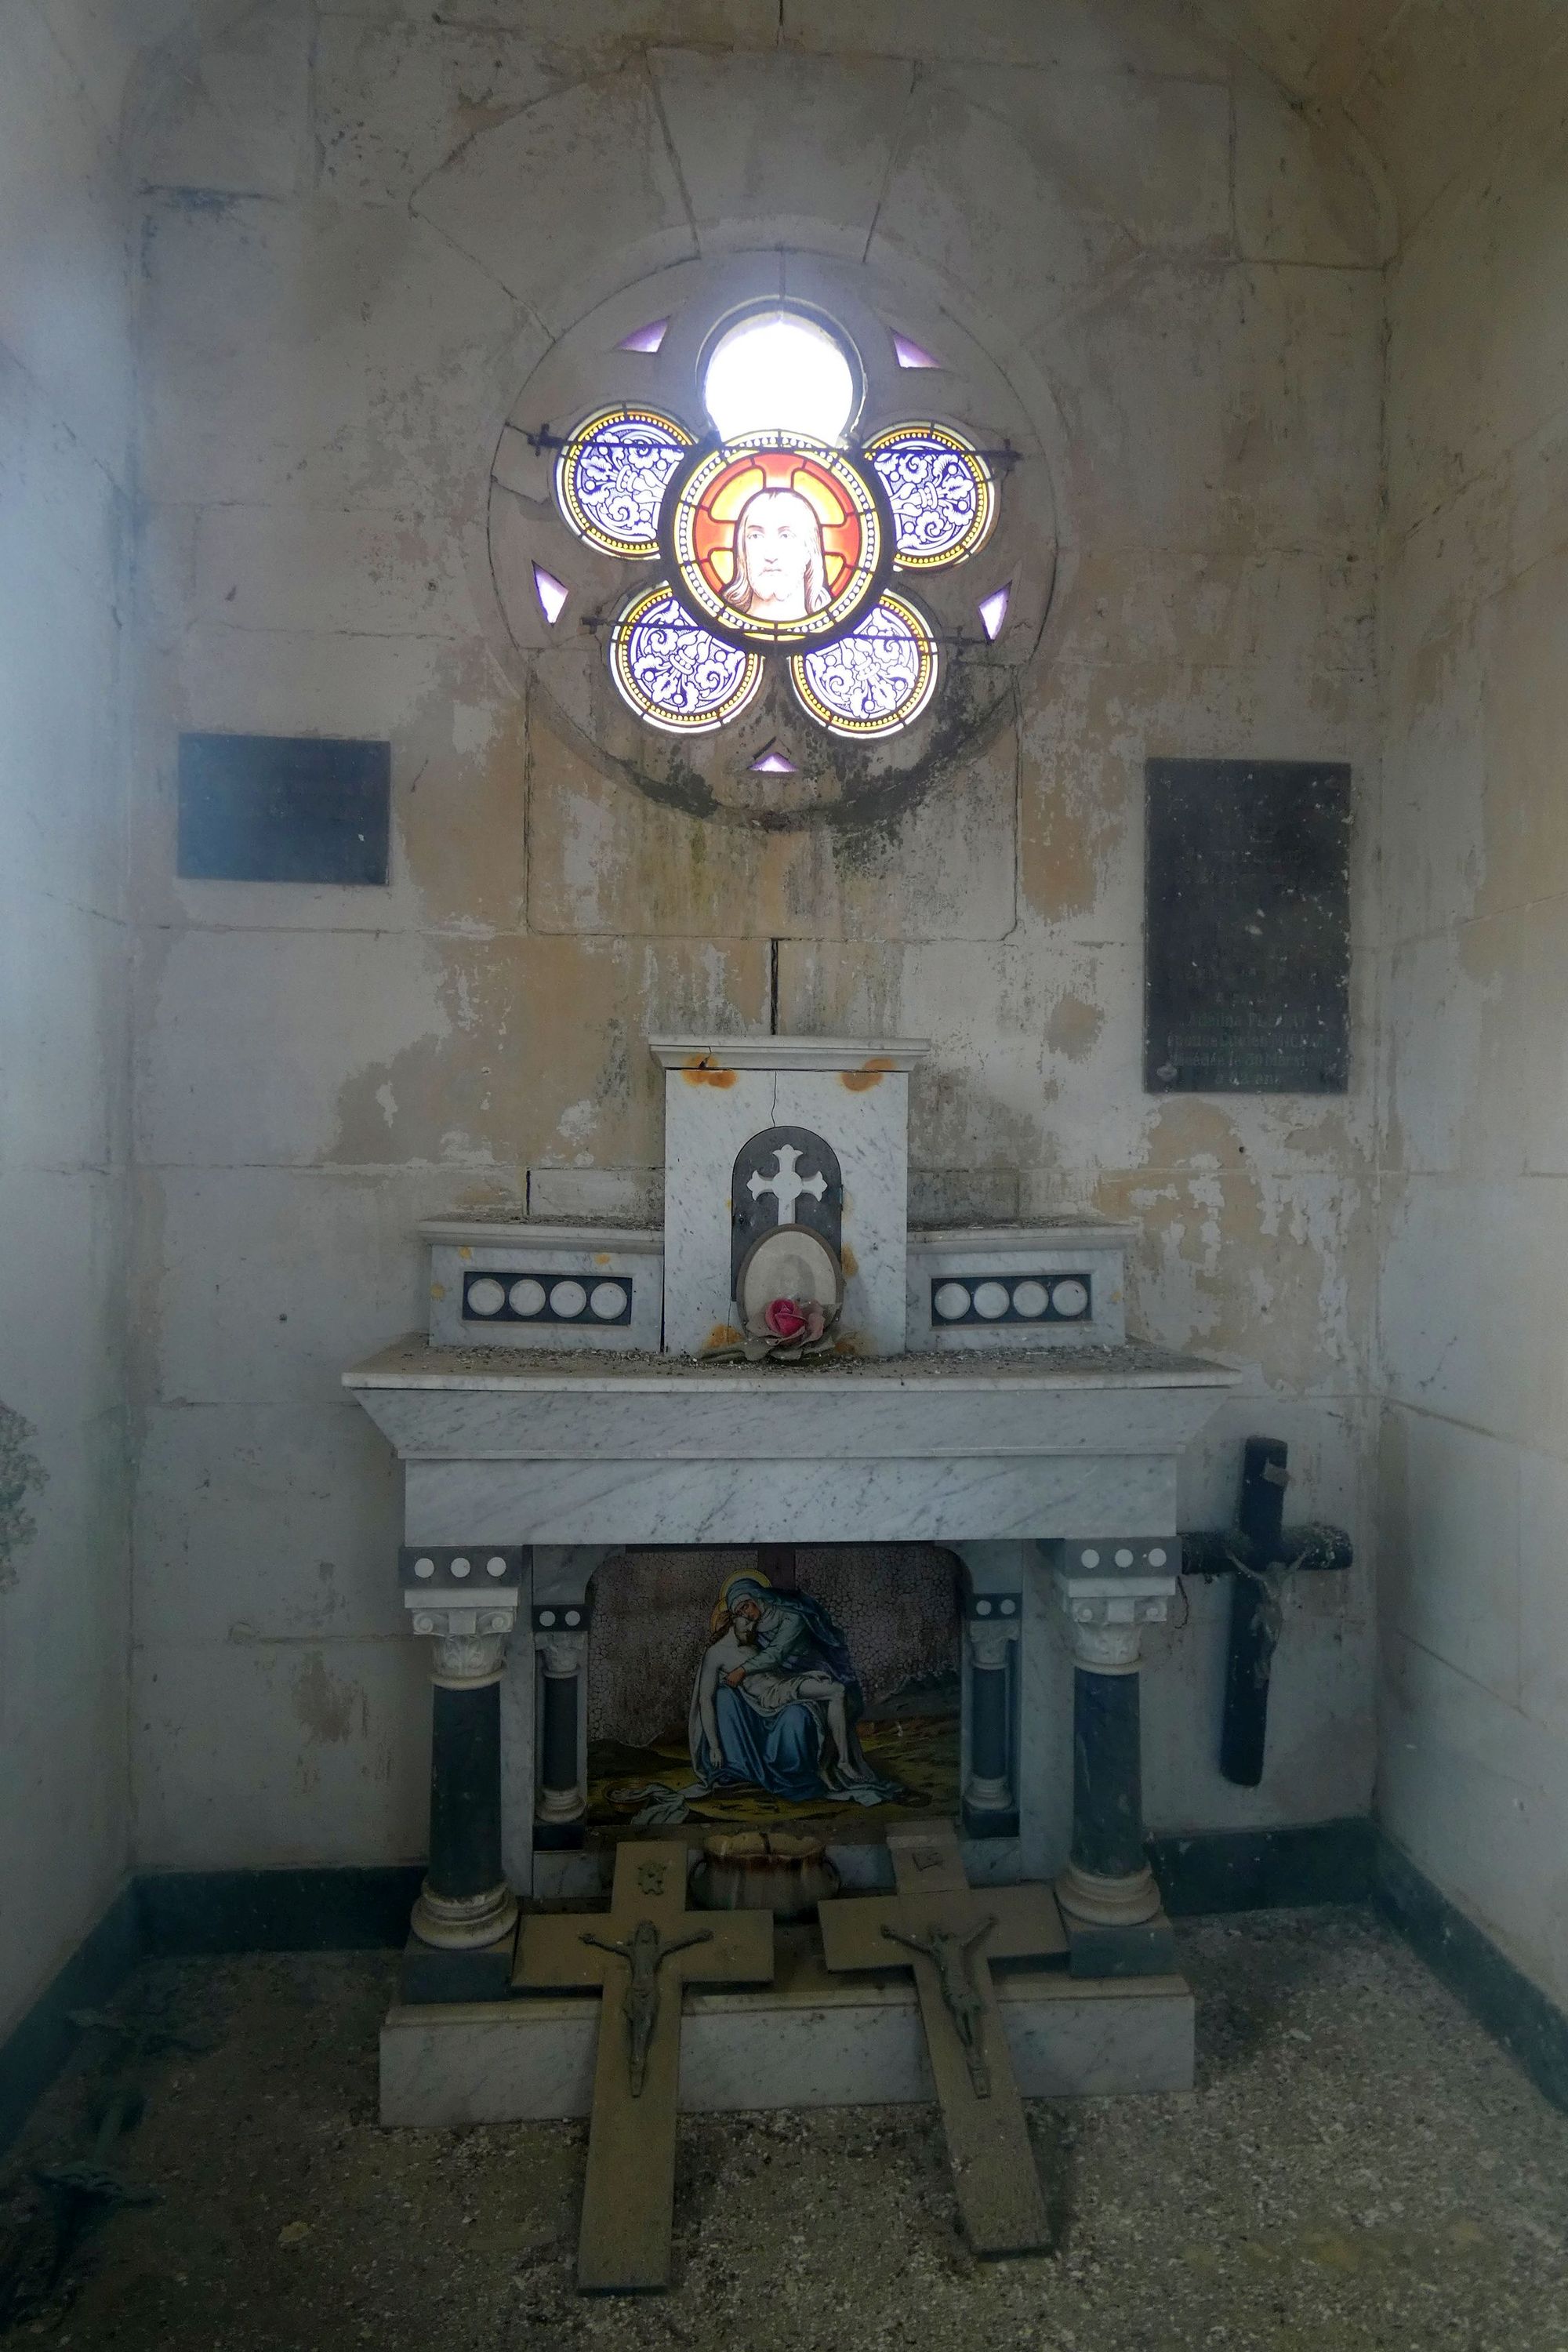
(776, 1700)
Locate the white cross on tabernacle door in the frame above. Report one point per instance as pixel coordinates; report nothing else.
(785, 1185)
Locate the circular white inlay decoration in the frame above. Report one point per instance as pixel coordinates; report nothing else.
(567, 1300)
(573, 1617)
(460, 1566)
(607, 1300)
(423, 1568)
(1030, 1299)
(527, 1297)
(951, 1301)
(1124, 1558)
(1008, 1608)
(547, 1616)
(485, 1296)
(991, 1299)
(1090, 1559)
(982, 1609)
(1157, 1557)
(1071, 1297)
(495, 1567)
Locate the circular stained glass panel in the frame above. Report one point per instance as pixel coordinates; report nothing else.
(673, 673)
(611, 476)
(775, 539)
(941, 489)
(874, 680)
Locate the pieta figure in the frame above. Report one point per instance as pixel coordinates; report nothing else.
(776, 1700)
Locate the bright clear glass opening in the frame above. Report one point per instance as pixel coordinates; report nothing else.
(779, 370)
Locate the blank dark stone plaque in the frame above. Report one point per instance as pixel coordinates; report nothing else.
(1247, 972)
(283, 808)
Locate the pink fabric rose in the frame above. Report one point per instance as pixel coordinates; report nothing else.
(785, 1318)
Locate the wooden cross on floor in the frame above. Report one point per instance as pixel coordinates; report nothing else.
(949, 1933)
(641, 1952)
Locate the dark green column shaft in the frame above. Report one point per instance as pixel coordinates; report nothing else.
(465, 1791)
(1107, 1779)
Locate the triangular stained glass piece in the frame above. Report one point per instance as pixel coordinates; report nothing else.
(551, 594)
(774, 763)
(910, 355)
(645, 339)
(993, 611)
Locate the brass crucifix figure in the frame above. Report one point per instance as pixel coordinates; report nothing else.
(952, 1935)
(640, 2005)
(647, 1950)
(949, 1955)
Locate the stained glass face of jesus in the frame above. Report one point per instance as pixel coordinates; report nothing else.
(781, 572)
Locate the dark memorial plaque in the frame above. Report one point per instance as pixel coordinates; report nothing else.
(283, 808)
(1247, 957)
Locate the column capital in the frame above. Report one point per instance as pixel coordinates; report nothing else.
(1108, 1614)
(564, 1654)
(989, 1640)
(468, 1655)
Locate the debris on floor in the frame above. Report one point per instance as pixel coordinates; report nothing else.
(1359, 2168)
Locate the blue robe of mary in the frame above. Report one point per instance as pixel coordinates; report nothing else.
(772, 1734)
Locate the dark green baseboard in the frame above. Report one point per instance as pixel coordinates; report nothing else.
(33, 2051)
(1255, 1870)
(183, 1914)
(1514, 2009)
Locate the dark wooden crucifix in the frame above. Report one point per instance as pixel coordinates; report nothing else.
(1261, 1553)
(952, 1933)
(642, 1954)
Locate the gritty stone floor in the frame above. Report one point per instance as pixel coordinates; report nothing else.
(1359, 2167)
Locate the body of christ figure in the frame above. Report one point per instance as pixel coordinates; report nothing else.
(781, 572)
(643, 1955)
(950, 1956)
(775, 1702)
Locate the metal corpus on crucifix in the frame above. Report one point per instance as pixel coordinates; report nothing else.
(1261, 1553)
(641, 1954)
(952, 1933)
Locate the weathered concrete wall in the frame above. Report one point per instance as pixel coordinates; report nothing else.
(1473, 1776)
(64, 1040)
(364, 228)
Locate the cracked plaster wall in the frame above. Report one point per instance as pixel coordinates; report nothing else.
(1473, 1239)
(64, 989)
(1194, 275)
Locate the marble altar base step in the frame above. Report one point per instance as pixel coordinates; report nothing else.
(810, 2040)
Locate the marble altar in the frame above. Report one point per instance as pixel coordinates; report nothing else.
(983, 1396)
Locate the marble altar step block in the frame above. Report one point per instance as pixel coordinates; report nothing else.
(810, 2040)
(517, 1284)
(1060, 1284)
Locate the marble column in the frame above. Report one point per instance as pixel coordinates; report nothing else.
(563, 1799)
(1109, 1902)
(465, 1903)
(990, 1799)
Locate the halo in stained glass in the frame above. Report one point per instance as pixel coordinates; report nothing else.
(874, 680)
(777, 539)
(611, 474)
(673, 673)
(941, 489)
